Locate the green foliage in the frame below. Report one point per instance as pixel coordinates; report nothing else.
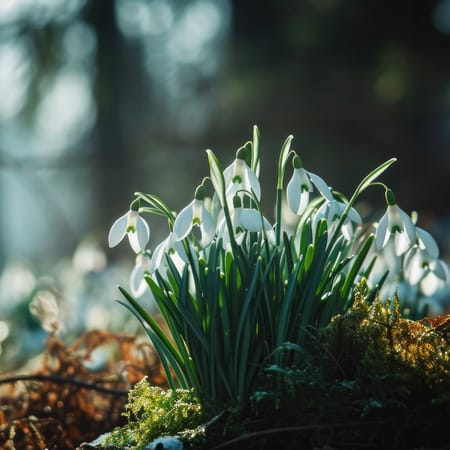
(152, 412)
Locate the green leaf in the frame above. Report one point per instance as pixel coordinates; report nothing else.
(356, 266)
(164, 346)
(285, 314)
(216, 176)
(246, 310)
(309, 257)
(284, 155)
(367, 181)
(157, 206)
(255, 164)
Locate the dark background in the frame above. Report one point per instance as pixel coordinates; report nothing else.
(104, 98)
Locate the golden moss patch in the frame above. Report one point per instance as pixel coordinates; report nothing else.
(375, 338)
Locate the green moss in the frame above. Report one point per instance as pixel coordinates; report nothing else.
(153, 412)
(375, 339)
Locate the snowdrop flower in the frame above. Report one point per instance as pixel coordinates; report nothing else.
(422, 260)
(138, 284)
(397, 224)
(195, 214)
(132, 225)
(419, 262)
(427, 243)
(431, 285)
(243, 220)
(171, 247)
(239, 177)
(300, 185)
(332, 212)
(386, 262)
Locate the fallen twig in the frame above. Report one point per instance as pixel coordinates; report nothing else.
(64, 380)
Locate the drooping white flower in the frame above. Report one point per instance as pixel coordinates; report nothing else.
(387, 265)
(395, 224)
(239, 177)
(243, 220)
(132, 225)
(427, 243)
(434, 285)
(301, 184)
(419, 262)
(332, 212)
(172, 248)
(138, 284)
(195, 214)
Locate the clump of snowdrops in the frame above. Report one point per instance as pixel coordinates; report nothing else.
(232, 286)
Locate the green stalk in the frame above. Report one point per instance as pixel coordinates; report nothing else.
(284, 156)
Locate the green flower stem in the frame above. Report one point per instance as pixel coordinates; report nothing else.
(284, 156)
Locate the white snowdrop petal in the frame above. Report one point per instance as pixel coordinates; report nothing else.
(354, 216)
(253, 182)
(321, 186)
(137, 281)
(134, 242)
(183, 222)
(293, 193)
(207, 227)
(143, 232)
(117, 230)
(158, 256)
(438, 268)
(381, 232)
(414, 271)
(250, 219)
(427, 242)
(408, 226)
(402, 243)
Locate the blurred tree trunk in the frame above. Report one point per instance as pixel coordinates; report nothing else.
(111, 155)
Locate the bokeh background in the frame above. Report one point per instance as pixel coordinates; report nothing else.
(99, 99)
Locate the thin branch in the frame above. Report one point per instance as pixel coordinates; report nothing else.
(64, 380)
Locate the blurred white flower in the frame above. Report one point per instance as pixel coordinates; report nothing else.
(89, 257)
(419, 262)
(138, 284)
(332, 212)
(16, 283)
(427, 243)
(171, 248)
(45, 308)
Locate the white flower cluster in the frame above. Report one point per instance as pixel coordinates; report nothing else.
(408, 252)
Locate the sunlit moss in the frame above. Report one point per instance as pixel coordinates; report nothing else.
(152, 412)
(375, 338)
